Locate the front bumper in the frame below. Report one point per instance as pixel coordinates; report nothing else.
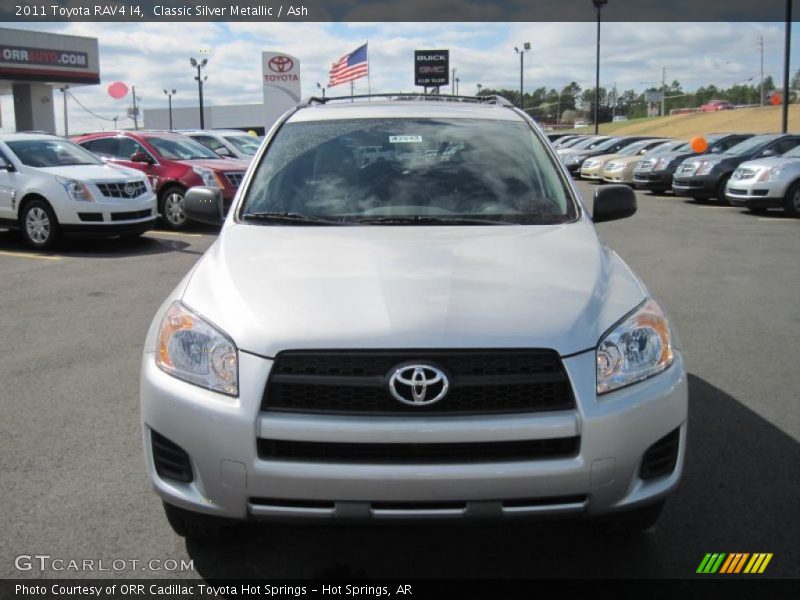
(592, 173)
(756, 194)
(622, 176)
(652, 180)
(220, 435)
(697, 186)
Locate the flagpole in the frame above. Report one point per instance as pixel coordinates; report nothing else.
(369, 81)
(352, 86)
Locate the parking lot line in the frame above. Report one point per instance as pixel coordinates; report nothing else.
(179, 234)
(776, 220)
(29, 255)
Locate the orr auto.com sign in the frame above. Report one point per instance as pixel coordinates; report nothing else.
(21, 55)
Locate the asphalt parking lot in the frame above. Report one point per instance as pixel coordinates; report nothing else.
(71, 469)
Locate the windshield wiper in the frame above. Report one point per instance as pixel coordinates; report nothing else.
(289, 217)
(427, 220)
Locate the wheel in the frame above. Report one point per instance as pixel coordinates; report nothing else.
(721, 190)
(633, 522)
(792, 201)
(171, 207)
(194, 525)
(39, 225)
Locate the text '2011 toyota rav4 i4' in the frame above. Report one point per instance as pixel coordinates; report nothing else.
(436, 333)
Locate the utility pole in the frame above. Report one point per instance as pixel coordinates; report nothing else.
(135, 110)
(598, 4)
(66, 120)
(453, 83)
(786, 48)
(761, 46)
(614, 101)
(663, 90)
(526, 47)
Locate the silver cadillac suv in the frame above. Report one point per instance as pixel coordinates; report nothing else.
(435, 333)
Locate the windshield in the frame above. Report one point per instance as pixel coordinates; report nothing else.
(635, 148)
(671, 147)
(606, 144)
(245, 144)
(406, 169)
(753, 144)
(52, 153)
(793, 153)
(183, 148)
(572, 143)
(586, 143)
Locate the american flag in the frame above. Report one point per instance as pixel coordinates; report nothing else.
(350, 67)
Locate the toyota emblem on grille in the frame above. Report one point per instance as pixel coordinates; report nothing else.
(418, 385)
(280, 64)
(130, 189)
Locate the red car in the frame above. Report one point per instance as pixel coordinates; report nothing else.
(173, 162)
(715, 105)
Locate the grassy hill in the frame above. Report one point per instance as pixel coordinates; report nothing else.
(765, 119)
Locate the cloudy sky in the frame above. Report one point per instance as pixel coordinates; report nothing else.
(154, 56)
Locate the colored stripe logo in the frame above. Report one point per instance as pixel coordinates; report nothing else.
(734, 563)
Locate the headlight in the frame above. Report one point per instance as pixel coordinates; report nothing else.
(208, 176)
(77, 190)
(770, 174)
(590, 164)
(193, 350)
(636, 349)
(614, 166)
(705, 167)
(661, 164)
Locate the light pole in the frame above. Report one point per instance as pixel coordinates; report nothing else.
(199, 65)
(598, 4)
(457, 80)
(453, 83)
(787, 45)
(321, 87)
(170, 94)
(479, 89)
(525, 48)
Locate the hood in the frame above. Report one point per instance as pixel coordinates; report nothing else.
(94, 172)
(219, 164)
(626, 160)
(274, 288)
(604, 157)
(770, 162)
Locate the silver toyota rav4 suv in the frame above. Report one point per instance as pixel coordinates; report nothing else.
(438, 333)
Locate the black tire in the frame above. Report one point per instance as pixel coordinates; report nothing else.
(757, 211)
(632, 523)
(39, 225)
(791, 203)
(170, 207)
(194, 525)
(720, 195)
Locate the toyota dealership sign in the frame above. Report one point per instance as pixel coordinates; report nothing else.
(280, 76)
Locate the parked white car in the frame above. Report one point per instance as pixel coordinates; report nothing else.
(767, 183)
(227, 143)
(50, 187)
(440, 334)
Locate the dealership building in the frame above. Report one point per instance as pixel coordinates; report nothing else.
(33, 64)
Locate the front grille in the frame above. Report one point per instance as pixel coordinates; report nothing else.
(129, 189)
(356, 382)
(234, 178)
(686, 169)
(645, 165)
(661, 458)
(434, 453)
(737, 191)
(129, 216)
(170, 460)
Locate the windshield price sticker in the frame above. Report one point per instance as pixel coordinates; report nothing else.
(405, 139)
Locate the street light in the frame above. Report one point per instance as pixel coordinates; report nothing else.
(457, 80)
(170, 94)
(479, 90)
(526, 47)
(321, 87)
(199, 65)
(598, 4)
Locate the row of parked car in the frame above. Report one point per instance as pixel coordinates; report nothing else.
(757, 172)
(113, 182)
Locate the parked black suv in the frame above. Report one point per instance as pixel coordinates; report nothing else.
(655, 173)
(705, 177)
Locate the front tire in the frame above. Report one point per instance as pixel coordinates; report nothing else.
(39, 225)
(723, 183)
(192, 525)
(171, 206)
(791, 202)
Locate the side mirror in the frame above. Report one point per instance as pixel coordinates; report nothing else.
(141, 157)
(204, 204)
(612, 202)
(6, 166)
(768, 152)
(224, 152)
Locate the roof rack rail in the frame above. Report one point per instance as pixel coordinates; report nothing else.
(488, 99)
